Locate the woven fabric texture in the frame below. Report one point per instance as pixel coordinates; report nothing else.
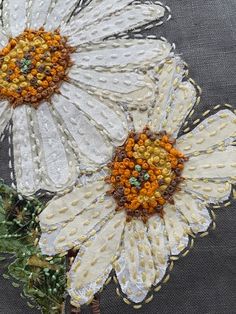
(204, 32)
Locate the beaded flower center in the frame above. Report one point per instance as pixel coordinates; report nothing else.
(33, 65)
(145, 173)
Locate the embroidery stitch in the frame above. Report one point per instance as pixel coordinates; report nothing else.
(140, 250)
(55, 114)
(119, 93)
(145, 173)
(33, 65)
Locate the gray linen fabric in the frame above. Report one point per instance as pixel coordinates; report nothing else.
(204, 282)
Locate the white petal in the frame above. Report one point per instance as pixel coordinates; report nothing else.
(135, 267)
(3, 39)
(133, 90)
(116, 82)
(194, 211)
(14, 13)
(89, 142)
(159, 245)
(5, 115)
(94, 11)
(24, 157)
(177, 229)
(107, 116)
(94, 261)
(71, 204)
(183, 100)
(57, 163)
(83, 226)
(212, 192)
(169, 76)
(217, 129)
(122, 53)
(214, 165)
(59, 13)
(38, 13)
(131, 17)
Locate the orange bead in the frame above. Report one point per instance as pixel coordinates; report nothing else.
(126, 191)
(165, 138)
(113, 179)
(131, 165)
(161, 200)
(143, 136)
(135, 173)
(168, 147)
(130, 154)
(139, 161)
(127, 173)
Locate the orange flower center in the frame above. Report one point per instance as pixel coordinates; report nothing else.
(33, 66)
(145, 173)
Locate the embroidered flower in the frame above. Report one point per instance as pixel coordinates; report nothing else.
(61, 79)
(138, 213)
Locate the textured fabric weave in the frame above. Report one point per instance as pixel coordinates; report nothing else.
(203, 282)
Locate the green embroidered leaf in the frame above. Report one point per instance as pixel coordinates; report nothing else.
(43, 281)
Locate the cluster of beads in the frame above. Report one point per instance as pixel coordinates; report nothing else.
(33, 66)
(145, 172)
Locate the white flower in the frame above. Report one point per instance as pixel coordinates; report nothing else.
(58, 135)
(139, 248)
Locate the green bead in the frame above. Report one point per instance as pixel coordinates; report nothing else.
(132, 180)
(138, 168)
(137, 183)
(146, 176)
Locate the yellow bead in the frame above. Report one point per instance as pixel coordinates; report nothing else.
(147, 142)
(149, 149)
(23, 84)
(37, 42)
(157, 150)
(157, 194)
(13, 54)
(168, 180)
(161, 162)
(30, 76)
(4, 67)
(165, 171)
(40, 76)
(141, 149)
(16, 81)
(13, 86)
(22, 78)
(146, 155)
(19, 51)
(163, 187)
(21, 43)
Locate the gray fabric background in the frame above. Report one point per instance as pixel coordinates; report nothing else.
(204, 281)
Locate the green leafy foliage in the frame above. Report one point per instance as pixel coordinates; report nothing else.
(43, 279)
